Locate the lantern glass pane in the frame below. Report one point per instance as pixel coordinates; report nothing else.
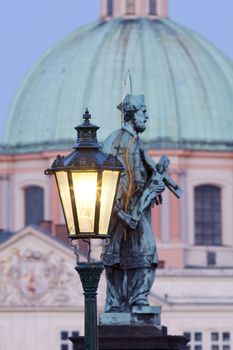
(63, 185)
(85, 187)
(109, 183)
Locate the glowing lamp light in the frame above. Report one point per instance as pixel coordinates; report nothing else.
(87, 181)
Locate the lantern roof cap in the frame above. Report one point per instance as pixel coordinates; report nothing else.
(87, 154)
(87, 133)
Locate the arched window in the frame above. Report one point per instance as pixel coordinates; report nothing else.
(208, 215)
(109, 7)
(152, 7)
(130, 7)
(34, 205)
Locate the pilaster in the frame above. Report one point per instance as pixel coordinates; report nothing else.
(5, 197)
(175, 212)
(142, 9)
(156, 221)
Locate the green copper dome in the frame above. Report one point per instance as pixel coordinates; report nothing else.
(188, 86)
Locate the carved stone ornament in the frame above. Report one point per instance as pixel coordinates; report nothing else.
(33, 278)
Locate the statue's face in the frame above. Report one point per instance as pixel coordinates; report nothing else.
(140, 119)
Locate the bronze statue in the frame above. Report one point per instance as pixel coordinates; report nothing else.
(130, 257)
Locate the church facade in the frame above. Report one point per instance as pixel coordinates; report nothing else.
(188, 87)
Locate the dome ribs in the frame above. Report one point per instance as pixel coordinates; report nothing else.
(213, 71)
(186, 81)
(177, 122)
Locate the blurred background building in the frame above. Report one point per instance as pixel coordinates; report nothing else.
(188, 85)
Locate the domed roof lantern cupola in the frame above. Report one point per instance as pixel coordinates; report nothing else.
(133, 8)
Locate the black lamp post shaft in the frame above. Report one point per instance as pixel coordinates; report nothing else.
(90, 275)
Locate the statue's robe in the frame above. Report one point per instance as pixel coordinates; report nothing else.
(130, 257)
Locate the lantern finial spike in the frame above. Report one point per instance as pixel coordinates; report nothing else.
(86, 116)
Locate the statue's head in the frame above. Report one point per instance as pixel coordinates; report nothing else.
(134, 111)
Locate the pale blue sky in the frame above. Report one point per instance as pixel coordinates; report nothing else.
(28, 28)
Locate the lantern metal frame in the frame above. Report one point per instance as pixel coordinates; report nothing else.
(86, 157)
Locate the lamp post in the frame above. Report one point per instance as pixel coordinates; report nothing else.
(87, 181)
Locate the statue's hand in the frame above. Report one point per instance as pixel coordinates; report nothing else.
(158, 187)
(153, 194)
(127, 220)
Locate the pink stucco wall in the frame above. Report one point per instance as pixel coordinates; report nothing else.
(173, 222)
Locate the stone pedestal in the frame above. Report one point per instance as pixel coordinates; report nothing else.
(126, 339)
(140, 316)
(139, 330)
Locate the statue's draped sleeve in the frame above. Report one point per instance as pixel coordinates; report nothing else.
(133, 179)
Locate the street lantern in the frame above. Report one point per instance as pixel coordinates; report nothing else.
(87, 181)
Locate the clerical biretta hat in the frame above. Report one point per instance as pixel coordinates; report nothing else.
(132, 103)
